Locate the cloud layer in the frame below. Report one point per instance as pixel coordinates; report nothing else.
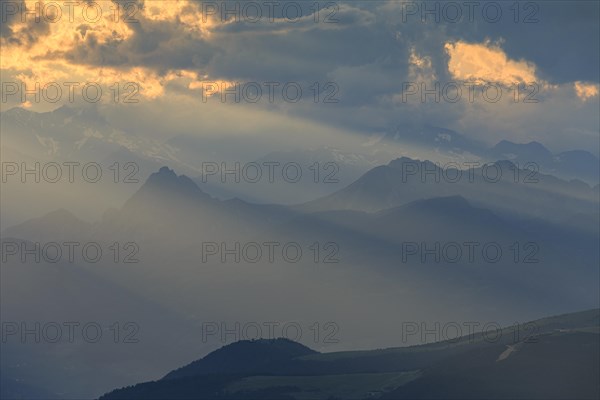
(370, 50)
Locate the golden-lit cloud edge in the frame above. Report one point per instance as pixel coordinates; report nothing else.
(52, 52)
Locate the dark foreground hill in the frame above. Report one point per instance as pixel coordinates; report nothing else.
(556, 357)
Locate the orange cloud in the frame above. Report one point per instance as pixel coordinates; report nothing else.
(41, 52)
(484, 62)
(585, 91)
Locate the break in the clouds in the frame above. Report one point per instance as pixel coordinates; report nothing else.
(375, 52)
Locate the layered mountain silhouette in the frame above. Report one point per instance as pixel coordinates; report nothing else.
(507, 363)
(501, 187)
(322, 171)
(372, 218)
(569, 164)
(369, 222)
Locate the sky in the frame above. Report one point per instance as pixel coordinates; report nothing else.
(520, 71)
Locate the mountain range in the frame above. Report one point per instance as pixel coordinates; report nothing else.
(174, 288)
(85, 134)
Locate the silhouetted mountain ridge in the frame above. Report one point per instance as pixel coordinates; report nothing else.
(501, 187)
(509, 363)
(570, 164)
(262, 355)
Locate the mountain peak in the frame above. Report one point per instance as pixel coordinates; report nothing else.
(399, 163)
(401, 160)
(258, 356)
(166, 171)
(164, 187)
(168, 179)
(531, 148)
